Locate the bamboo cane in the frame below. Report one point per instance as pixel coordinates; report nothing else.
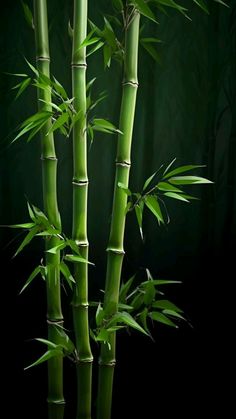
(49, 173)
(79, 231)
(115, 246)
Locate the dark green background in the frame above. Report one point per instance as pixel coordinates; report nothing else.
(186, 109)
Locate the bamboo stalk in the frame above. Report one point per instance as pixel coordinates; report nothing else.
(79, 230)
(49, 173)
(115, 246)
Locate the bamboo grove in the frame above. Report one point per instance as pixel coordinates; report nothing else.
(126, 303)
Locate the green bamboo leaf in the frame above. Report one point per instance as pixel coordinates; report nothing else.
(59, 89)
(53, 105)
(27, 239)
(159, 317)
(51, 353)
(150, 293)
(55, 249)
(26, 226)
(182, 169)
(152, 51)
(124, 188)
(75, 258)
(118, 5)
(103, 125)
(143, 319)
(95, 48)
(103, 335)
(28, 14)
(174, 5)
(166, 304)
(88, 42)
(100, 313)
(115, 328)
(23, 86)
(144, 9)
(37, 117)
(35, 71)
(148, 181)
(152, 203)
(176, 196)
(139, 215)
(125, 318)
(90, 83)
(35, 272)
(107, 53)
(188, 180)
(124, 306)
(151, 40)
(137, 301)
(66, 273)
(173, 313)
(222, 2)
(202, 4)
(61, 120)
(163, 282)
(16, 74)
(73, 245)
(169, 166)
(63, 340)
(124, 289)
(164, 186)
(70, 30)
(47, 342)
(36, 129)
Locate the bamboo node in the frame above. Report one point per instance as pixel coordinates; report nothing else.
(123, 163)
(111, 363)
(82, 305)
(55, 321)
(75, 65)
(116, 251)
(130, 83)
(48, 158)
(80, 182)
(42, 58)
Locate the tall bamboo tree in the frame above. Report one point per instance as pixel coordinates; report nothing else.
(79, 233)
(49, 173)
(115, 246)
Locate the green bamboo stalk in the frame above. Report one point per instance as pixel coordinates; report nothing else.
(115, 246)
(79, 230)
(49, 173)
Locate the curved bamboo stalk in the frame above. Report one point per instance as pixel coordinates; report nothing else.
(79, 233)
(115, 246)
(49, 173)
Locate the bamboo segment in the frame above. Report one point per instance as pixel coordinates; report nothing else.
(115, 246)
(79, 231)
(49, 173)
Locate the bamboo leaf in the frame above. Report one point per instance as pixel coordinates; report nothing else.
(173, 313)
(103, 335)
(66, 273)
(59, 89)
(27, 239)
(164, 186)
(152, 203)
(124, 306)
(174, 5)
(137, 301)
(73, 245)
(118, 5)
(148, 181)
(35, 272)
(166, 304)
(99, 315)
(143, 319)
(222, 2)
(139, 215)
(53, 105)
(61, 120)
(169, 166)
(124, 289)
(125, 318)
(55, 249)
(70, 30)
(163, 282)
(26, 226)
(188, 180)
(176, 196)
(28, 14)
(23, 86)
(152, 51)
(107, 53)
(150, 293)
(159, 317)
(103, 125)
(90, 83)
(75, 258)
(144, 9)
(126, 190)
(51, 353)
(182, 169)
(35, 71)
(95, 48)
(202, 4)
(151, 40)
(88, 42)
(47, 342)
